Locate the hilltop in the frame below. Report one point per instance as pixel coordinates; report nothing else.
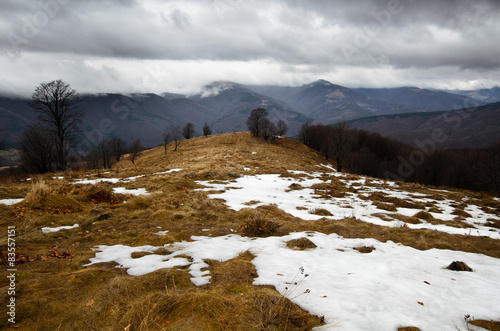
(230, 232)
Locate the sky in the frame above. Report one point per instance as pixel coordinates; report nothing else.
(178, 46)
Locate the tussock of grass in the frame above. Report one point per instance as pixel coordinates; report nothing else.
(38, 192)
(435, 209)
(258, 225)
(97, 194)
(396, 202)
(320, 212)
(424, 216)
(461, 213)
(406, 219)
(408, 328)
(300, 244)
(365, 249)
(493, 223)
(42, 197)
(384, 206)
(459, 266)
(488, 325)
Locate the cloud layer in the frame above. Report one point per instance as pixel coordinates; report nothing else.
(178, 46)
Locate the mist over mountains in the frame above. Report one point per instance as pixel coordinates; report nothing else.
(225, 106)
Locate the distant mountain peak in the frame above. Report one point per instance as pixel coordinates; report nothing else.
(322, 82)
(214, 88)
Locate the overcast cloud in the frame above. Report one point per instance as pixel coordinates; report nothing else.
(178, 46)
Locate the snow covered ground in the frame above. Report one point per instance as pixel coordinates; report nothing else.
(275, 189)
(119, 180)
(392, 286)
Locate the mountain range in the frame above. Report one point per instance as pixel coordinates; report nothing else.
(225, 106)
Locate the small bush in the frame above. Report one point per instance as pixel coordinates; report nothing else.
(259, 226)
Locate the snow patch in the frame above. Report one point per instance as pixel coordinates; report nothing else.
(137, 191)
(66, 227)
(10, 202)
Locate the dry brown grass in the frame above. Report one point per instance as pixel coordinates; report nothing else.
(259, 225)
(167, 299)
(204, 155)
(38, 192)
(396, 202)
(488, 325)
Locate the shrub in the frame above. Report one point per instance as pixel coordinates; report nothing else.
(259, 226)
(38, 191)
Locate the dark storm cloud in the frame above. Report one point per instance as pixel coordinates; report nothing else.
(305, 37)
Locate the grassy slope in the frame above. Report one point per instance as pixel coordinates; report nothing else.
(58, 293)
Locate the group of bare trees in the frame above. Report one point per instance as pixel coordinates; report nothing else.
(371, 154)
(333, 140)
(110, 151)
(260, 126)
(176, 134)
(47, 144)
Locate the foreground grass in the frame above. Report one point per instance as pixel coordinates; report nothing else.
(54, 290)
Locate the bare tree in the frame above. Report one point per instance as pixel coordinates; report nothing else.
(188, 131)
(282, 128)
(340, 143)
(135, 149)
(206, 130)
(304, 133)
(255, 121)
(167, 138)
(92, 159)
(268, 130)
(104, 151)
(59, 112)
(37, 149)
(117, 148)
(2, 145)
(177, 136)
